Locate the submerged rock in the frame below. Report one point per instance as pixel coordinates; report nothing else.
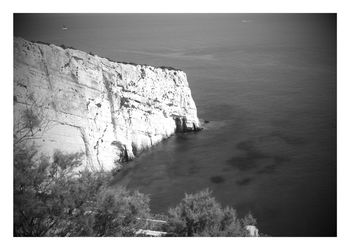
(110, 111)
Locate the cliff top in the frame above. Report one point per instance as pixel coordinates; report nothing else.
(65, 47)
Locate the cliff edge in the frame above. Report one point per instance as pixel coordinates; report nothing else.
(108, 110)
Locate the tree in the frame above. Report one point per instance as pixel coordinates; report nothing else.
(120, 212)
(30, 122)
(201, 215)
(249, 220)
(52, 198)
(41, 190)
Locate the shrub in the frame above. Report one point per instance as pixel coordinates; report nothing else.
(30, 125)
(30, 122)
(120, 212)
(32, 213)
(63, 46)
(52, 198)
(249, 220)
(43, 191)
(201, 215)
(169, 68)
(41, 42)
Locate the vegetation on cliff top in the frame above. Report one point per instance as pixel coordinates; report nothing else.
(63, 46)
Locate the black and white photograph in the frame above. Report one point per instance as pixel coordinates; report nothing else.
(174, 124)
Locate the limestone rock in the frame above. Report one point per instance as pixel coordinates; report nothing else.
(109, 110)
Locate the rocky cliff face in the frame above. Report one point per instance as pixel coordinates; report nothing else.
(72, 101)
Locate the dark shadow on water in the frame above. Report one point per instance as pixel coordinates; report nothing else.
(268, 169)
(289, 139)
(244, 181)
(243, 163)
(217, 179)
(249, 160)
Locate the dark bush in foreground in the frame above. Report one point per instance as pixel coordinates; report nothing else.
(201, 215)
(53, 199)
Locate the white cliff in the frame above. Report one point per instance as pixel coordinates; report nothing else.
(84, 103)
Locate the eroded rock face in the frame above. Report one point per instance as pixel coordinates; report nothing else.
(110, 111)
